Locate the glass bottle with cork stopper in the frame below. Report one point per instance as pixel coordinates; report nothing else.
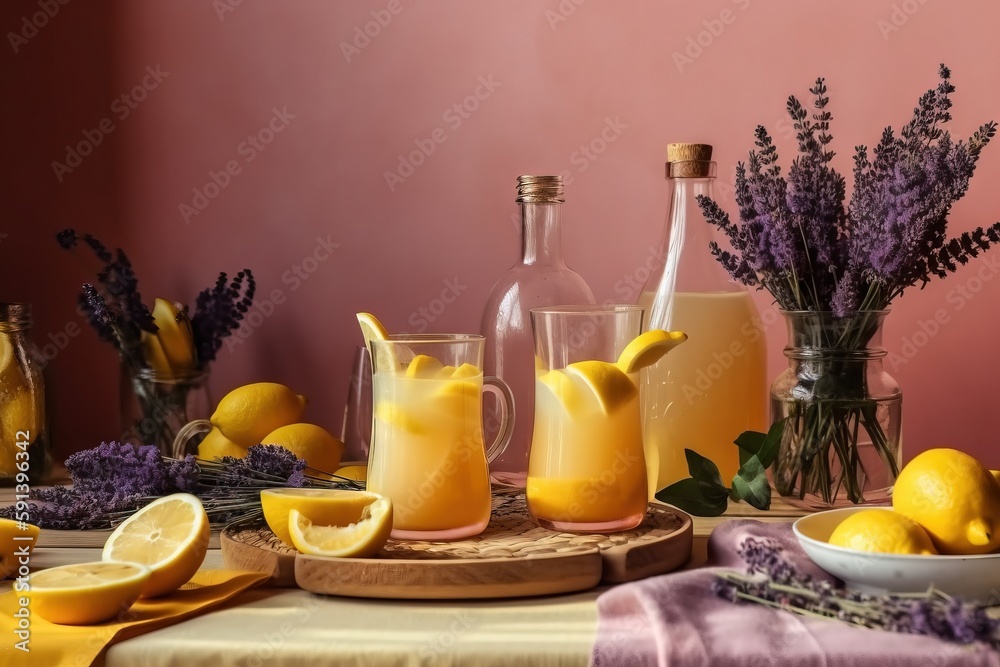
(541, 278)
(704, 396)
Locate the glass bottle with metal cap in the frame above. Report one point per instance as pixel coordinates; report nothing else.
(23, 438)
(540, 278)
(715, 387)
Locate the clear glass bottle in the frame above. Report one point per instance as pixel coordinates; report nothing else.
(714, 386)
(24, 455)
(540, 279)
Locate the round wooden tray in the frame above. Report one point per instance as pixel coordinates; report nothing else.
(513, 557)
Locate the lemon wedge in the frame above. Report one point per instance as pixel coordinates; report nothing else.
(395, 416)
(423, 366)
(372, 329)
(609, 383)
(86, 593)
(328, 507)
(169, 536)
(174, 336)
(566, 390)
(465, 371)
(647, 348)
(445, 372)
(361, 539)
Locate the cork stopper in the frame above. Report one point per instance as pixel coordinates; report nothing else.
(540, 190)
(690, 161)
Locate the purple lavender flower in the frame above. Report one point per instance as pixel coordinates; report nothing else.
(219, 311)
(183, 474)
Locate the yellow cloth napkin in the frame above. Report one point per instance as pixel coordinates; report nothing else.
(53, 645)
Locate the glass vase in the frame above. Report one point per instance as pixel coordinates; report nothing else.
(842, 412)
(155, 406)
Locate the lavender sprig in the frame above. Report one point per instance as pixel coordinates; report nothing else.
(772, 581)
(219, 311)
(112, 481)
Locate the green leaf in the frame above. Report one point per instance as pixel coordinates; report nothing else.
(750, 484)
(762, 445)
(702, 468)
(687, 495)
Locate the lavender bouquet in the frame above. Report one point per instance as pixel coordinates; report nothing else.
(835, 269)
(166, 351)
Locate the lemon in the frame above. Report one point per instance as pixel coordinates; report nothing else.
(327, 507)
(215, 446)
(86, 593)
(612, 387)
(358, 473)
(954, 497)
(996, 475)
(567, 391)
(465, 371)
(155, 356)
(383, 358)
(320, 450)
(445, 372)
(423, 366)
(12, 539)
(396, 417)
(248, 413)
(174, 336)
(882, 531)
(19, 411)
(169, 536)
(360, 539)
(647, 348)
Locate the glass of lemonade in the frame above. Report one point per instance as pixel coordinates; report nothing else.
(586, 470)
(427, 451)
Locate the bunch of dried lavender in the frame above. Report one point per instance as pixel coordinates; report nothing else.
(773, 582)
(797, 239)
(112, 481)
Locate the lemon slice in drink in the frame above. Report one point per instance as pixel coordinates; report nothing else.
(360, 539)
(566, 390)
(423, 366)
(328, 507)
(609, 383)
(372, 329)
(647, 348)
(397, 417)
(169, 536)
(86, 593)
(465, 371)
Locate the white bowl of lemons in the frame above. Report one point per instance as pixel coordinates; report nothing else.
(973, 577)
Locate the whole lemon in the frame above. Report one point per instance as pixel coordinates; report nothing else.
(215, 445)
(320, 450)
(248, 413)
(882, 531)
(954, 497)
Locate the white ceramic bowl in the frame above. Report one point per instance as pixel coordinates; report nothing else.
(972, 577)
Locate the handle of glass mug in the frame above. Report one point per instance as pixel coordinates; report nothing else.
(188, 431)
(505, 399)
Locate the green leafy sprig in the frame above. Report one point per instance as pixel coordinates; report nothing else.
(704, 494)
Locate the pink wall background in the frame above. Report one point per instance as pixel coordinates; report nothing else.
(560, 73)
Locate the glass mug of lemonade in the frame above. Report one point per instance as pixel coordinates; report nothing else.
(427, 451)
(586, 469)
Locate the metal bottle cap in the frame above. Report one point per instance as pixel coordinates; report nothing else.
(540, 190)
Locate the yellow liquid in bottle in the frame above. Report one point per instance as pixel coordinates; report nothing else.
(705, 393)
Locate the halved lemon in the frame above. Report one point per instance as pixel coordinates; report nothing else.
(361, 539)
(169, 535)
(86, 593)
(372, 329)
(647, 348)
(423, 366)
(328, 507)
(612, 387)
